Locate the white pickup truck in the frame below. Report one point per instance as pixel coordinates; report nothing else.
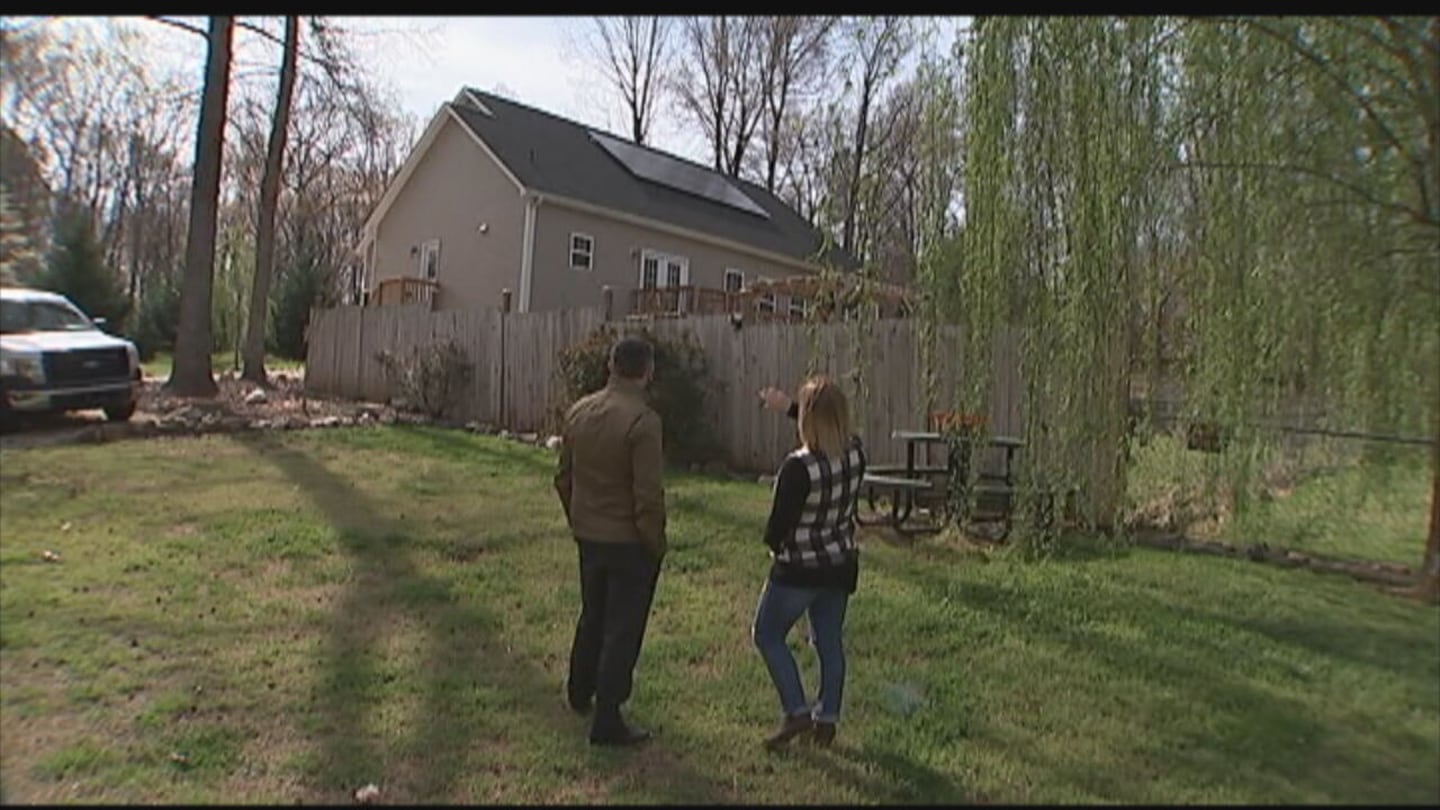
(54, 358)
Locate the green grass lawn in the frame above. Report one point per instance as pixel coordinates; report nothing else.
(1372, 512)
(294, 616)
(162, 362)
(1378, 510)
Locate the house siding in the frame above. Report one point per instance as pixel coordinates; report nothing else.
(616, 260)
(454, 188)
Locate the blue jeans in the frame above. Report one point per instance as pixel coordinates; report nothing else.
(780, 607)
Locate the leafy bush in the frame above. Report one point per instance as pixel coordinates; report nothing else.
(304, 285)
(20, 262)
(430, 378)
(153, 327)
(678, 393)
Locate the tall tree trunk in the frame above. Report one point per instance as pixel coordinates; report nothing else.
(852, 196)
(777, 122)
(132, 290)
(772, 159)
(269, 197)
(1430, 568)
(192, 375)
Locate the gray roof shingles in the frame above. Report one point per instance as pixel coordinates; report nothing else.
(553, 155)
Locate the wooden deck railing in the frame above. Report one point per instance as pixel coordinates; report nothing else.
(684, 301)
(404, 291)
(677, 302)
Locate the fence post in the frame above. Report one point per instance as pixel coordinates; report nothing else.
(309, 346)
(504, 361)
(360, 356)
(609, 294)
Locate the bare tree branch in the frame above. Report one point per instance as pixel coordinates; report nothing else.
(1327, 70)
(1415, 214)
(632, 52)
(328, 59)
(792, 54)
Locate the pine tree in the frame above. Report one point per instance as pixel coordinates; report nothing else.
(76, 269)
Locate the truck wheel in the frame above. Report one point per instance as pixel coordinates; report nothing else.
(122, 412)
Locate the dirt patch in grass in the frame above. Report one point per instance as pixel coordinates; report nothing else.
(31, 741)
(186, 529)
(56, 755)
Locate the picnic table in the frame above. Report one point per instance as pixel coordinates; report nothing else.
(914, 484)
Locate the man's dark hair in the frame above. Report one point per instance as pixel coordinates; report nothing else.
(631, 356)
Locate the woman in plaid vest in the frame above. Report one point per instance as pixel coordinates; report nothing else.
(815, 563)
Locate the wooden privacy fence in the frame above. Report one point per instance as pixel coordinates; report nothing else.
(515, 380)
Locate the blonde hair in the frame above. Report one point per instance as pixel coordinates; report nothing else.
(824, 422)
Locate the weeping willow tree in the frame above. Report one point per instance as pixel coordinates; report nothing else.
(937, 177)
(1312, 268)
(1258, 195)
(1058, 162)
(1314, 276)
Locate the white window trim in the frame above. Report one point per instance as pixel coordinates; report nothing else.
(804, 305)
(766, 302)
(662, 272)
(427, 248)
(661, 259)
(588, 254)
(733, 271)
(644, 257)
(684, 270)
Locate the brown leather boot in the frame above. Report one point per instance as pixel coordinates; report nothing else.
(822, 733)
(792, 726)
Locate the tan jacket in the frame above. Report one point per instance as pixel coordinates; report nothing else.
(611, 466)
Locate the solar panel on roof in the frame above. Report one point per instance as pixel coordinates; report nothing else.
(677, 174)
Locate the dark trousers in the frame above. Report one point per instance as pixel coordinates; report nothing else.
(617, 584)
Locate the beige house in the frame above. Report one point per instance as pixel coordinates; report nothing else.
(498, 196)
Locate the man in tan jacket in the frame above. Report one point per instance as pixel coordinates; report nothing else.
(610, 485)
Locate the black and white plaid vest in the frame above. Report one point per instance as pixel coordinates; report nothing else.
(825, 535)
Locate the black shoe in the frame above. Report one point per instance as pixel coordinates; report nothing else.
(622, 736)
(792, 726)
(823, 734)
(580, 707)
(577, 704)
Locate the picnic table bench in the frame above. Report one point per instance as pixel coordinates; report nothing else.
(902, 492)
(913, 485)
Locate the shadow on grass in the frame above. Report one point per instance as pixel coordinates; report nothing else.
(1247, 732)
(885, 776)
(464, 652)
(452, 444)
(459, 445)
(1367, 645)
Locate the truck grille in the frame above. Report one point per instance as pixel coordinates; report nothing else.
(85, 365)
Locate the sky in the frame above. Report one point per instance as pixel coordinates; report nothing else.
(425, 60)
